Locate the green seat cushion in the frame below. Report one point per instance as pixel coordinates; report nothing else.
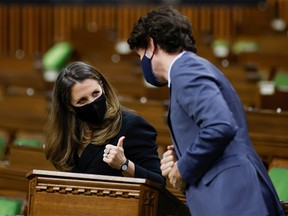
(279, 177)
(27, 142)
(9, 206)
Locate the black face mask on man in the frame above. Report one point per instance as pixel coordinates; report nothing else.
(149, 76)
(93, 112)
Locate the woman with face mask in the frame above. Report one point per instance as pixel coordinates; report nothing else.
(88, 131)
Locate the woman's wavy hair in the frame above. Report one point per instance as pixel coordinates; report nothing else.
(170, 30)
(64, 132)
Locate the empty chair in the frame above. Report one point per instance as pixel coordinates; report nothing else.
(278, 172)
(10, 206)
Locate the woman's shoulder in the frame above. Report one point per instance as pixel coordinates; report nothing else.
(134, 123)
(130, 115)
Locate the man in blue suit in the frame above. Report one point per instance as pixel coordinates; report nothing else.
(212, 159)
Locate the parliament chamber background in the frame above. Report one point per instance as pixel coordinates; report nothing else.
(247, 40)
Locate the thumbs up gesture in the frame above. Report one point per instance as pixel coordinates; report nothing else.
(120, 142)
(114, 155)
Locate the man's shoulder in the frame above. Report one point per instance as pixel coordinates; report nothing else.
(191, 57)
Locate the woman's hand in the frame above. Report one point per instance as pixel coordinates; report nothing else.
(114, 155)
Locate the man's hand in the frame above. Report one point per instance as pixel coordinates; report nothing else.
(168, 160)
(175, 178)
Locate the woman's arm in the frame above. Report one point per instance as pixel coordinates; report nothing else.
(141, 149)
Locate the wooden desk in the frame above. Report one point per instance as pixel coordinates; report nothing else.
(12, 179)
(268, 132)
(28, 157)
(64, 193)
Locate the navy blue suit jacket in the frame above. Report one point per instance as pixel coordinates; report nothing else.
(216, 158)
(139, 146)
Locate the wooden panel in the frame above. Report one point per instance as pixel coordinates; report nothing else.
(27, 158)
(3, 30)
(35, 27)
(23, 112)
(14, 29)
(68, 203)
(13, 180)
(278, 162)
(96, 193)
(268, 132)
(34, 106)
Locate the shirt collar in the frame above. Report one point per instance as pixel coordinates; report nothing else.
(177, 57)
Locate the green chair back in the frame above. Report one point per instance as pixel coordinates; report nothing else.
(279, 177)
(27, 142)
(243, 46)
(57, 56)
(2, 147)
(10, 206)
(281, 80)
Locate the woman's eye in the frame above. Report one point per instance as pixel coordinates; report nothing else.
(96, 94)
(82, 101)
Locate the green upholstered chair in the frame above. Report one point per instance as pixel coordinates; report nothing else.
(279, 177)
(55, 59)
(27, 142)
(57, 56)
(281, 80)
(242, 46)
(278, 172)
(10, 206)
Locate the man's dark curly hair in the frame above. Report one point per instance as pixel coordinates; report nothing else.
(170, 30)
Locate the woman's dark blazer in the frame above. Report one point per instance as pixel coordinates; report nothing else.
(139, 146)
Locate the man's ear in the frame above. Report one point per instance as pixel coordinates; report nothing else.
(151, 48)
(151, 44)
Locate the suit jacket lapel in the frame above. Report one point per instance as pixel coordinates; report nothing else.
(171, 128)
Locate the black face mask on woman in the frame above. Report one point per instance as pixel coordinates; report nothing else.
(93, 112)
